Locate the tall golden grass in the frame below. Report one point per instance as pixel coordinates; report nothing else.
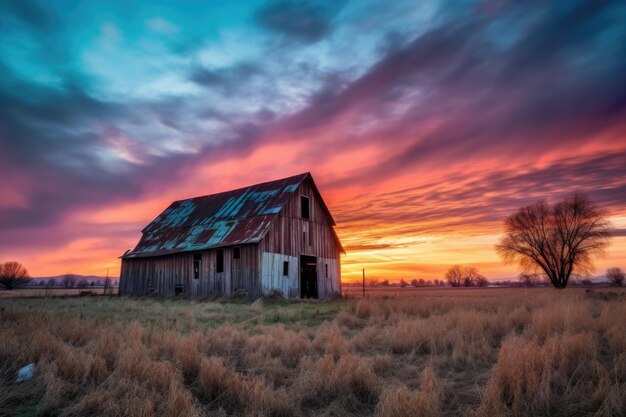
(516, 352)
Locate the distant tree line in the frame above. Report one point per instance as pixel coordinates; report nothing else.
(461, 276)
(13, 275)
(403, 283)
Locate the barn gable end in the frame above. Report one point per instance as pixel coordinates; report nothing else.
(292, 236)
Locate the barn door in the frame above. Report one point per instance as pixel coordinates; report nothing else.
(308, 276)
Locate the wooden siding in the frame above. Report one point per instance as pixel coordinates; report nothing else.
(272, 277)
(161, 274)
(328, 286)
(156, 275)
(244, 271)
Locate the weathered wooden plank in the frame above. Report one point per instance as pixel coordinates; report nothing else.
(272, 277)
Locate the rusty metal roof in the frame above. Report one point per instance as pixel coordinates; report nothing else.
(230, 218)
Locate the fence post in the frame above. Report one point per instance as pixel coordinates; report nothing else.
(363, 282)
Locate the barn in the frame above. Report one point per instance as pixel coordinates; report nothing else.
(276, 236)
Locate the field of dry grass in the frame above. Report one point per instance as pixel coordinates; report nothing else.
(496, 352)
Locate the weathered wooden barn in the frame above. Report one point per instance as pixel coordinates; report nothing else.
(273, 236)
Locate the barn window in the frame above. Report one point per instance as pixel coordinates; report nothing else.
(285, 268)
(326, 268)
(305, 209)
(219, 261)
(196, 265)
(236, 253)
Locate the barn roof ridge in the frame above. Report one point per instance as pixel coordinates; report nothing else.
(303, 175)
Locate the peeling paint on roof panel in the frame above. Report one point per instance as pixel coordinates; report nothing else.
(291, 188)
(177, 215)
(272, 210)
(229, 218)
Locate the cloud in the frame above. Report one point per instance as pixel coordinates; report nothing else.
(161, 25)
(474, 202)
(456, 92)
(619, 232)
(31, 13)
(303, 21)
(64, 150)
(227, 79)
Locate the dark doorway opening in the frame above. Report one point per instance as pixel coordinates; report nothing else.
(308, 276)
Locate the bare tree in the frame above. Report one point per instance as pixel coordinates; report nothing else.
(69, 280)
(51, 283)
(414, 282)
(82, 283)
(458, 276)
(530, 280)
(616, 276)
(558, 240)
(13, 275)
(455, 276)
(481, 281)
(471, 276)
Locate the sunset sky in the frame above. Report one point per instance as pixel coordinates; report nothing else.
(423, 123)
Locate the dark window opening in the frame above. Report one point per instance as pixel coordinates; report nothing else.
(285, 268)
(219, 262)
(236, 253)
(178, 289)
(305, 210)
(196, 265)
(326, 267)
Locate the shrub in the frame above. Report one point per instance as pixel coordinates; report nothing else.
(404, 402)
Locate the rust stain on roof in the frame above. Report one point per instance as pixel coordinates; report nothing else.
(230, 218)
